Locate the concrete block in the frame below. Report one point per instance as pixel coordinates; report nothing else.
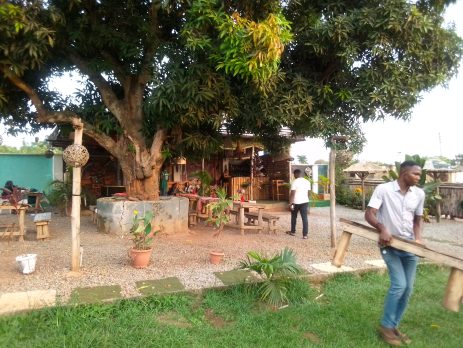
(26, 300)
(116, 216)
(329, 268)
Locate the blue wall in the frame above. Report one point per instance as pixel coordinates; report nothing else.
(29, 171)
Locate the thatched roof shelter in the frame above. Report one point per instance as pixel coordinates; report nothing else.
(362, 170)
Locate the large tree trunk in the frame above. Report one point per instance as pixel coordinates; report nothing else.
(141, 166)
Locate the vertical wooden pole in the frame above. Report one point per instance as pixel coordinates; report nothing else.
(438, 207)
(332, 178)
(454, 291)
(362, 179)
(251, 191)
(75, 213)
(341, 250)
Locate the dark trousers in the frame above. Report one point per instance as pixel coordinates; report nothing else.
(302, 208)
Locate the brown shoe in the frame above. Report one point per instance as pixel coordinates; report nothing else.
(389, 336)
(403, 337)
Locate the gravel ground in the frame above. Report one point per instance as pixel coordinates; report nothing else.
(184, 255)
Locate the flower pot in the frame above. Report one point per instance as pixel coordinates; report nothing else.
(140, 258)
(216, 256)
(26, 263)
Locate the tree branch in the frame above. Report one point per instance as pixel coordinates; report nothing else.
(110, 99)
(156, 146)
(150, 45)
(119, 71)
(23, 86)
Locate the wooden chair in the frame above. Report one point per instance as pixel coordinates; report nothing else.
(6, 231)
(192, 212)
(278, 190)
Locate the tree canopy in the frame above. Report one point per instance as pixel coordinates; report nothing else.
(172, 75)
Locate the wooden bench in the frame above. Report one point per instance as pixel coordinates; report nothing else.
(454, 291)
(7, 231)
(252, 216)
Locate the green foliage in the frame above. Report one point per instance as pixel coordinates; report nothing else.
(190, 67)
(325, 183)
(277, 272)
(206, 181)
(231, 318)
(142, 230)
(220, 210)
(351, 198)
(59, 193)
(302, 159)
(243, 47)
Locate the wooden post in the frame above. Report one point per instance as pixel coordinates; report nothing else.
(22, 227)
(341, 250)
(332, 178)
(75, 213)
(438, 207)
(454, 291)
(251, 191)
(363, 177)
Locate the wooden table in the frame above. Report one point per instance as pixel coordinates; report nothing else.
(38, 199)
(21, 217)
(199, 203)
(240, 208)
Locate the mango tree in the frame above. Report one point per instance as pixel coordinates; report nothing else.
(164, 77)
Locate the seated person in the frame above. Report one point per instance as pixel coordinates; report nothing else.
(7, 190)
(173, 190)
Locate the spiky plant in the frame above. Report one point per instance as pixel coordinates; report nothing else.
(276, 271)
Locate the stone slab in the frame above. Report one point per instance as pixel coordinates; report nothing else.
(236, 276)
(329, 268)
(116, 216)
(95, 294)
(26, 300)
(159, 286)
(377, 263)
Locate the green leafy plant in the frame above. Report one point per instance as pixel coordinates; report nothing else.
(206, 180)
(220, 210)
(60, 194)
(142, 231)
(277, 272)
(324, 183)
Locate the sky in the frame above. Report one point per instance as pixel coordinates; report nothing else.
(435, 128)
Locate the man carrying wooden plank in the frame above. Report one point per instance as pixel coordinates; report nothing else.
(396, 209)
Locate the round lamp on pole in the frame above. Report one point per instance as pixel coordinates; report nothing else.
(75, 155)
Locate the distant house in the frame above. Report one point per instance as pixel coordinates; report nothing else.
(32, 171)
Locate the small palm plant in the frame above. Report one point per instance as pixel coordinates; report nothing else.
(277, 272)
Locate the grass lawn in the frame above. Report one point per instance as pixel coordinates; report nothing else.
(342, 312)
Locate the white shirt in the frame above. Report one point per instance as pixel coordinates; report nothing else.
(395, 210)
(302, 188)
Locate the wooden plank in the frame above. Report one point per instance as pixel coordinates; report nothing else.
(454, 291)
(341, 250)
(402, 244)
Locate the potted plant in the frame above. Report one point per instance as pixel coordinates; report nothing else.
(325, 184)
(205, 182)
(142, 237)
(220, 216)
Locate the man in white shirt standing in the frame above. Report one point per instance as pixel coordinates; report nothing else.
(299, 202)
